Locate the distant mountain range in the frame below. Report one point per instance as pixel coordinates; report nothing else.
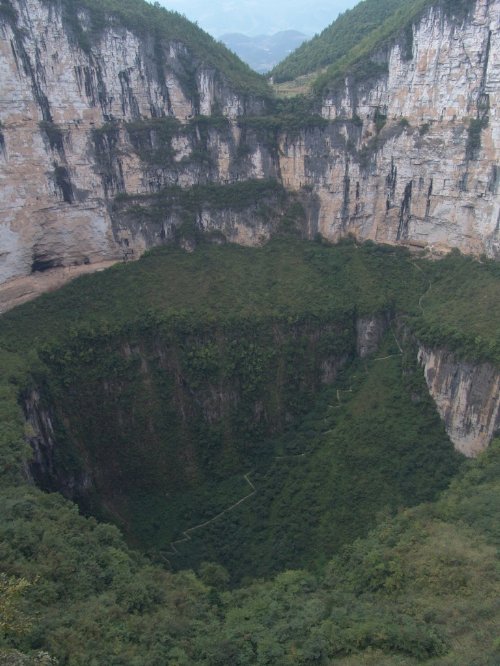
(263, 52)
(255, 17)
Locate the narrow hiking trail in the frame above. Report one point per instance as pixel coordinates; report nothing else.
(426, 292)
(186, 533)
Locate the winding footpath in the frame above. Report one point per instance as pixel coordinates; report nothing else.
(186, 533)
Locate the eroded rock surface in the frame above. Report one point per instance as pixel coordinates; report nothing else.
(467, 397)
(409, 154)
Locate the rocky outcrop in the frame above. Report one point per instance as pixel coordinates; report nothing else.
(73, 137)
(467, 397)
(96, 141)
(412, 154)
(369, 333)
(46, 469)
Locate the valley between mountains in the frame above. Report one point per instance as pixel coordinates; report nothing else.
(249, 340)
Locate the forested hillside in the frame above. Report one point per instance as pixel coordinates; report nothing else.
(349, 41)
(287, 475)
(247, 454)
(335, 41)
(155, 23)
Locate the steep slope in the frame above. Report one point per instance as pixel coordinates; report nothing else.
(206, 362)
(236, 345)
(72, 74)
(411, 152)
(108, 153)
(335, 41)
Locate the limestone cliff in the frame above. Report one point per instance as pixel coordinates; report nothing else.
(69, 144)
(467, 396)
(412, 154)
(104, 135)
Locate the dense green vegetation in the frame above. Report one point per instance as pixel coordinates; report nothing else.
(264, 200)
(461, 309)
(221, 390)
(422, 588)
(160, 25)
(252, 326)
(237, 196)
(336, 40)
(284, 277)
(346, 46)
(108, 352)
(372, 443)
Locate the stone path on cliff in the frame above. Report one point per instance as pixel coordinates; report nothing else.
(186, 533)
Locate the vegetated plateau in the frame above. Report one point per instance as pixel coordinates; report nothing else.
(230, 455)
(224, 410)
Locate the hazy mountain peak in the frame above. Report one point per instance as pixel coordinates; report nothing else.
(263, 52)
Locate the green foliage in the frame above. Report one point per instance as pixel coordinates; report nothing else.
(357, 60)
(189, 202)
(154, 21)
(476, 126)
(422, 586)
(460, 309)
(121, 349)
(285, 277)
(336, 40)
(152, 138)
(372, 443)
(346, 47)
(16, 658)
(13, 447)
(12, 620)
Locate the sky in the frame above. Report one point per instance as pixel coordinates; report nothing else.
(257, 17)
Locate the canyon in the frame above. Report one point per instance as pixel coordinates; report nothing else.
(256, 419)
(100, 140)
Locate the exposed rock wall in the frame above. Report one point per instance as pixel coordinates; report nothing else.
(59, 171)
(370, 332)
(408, 156)
(46, 468)
(420, 163)
(467, 397)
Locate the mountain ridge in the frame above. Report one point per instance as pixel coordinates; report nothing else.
(283, 405)
(262, 52)
(115, 136)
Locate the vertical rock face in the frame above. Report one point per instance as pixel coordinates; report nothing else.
(45, 469)
(369, 333)
(467, 397)
(412, 155)
(91, 121)
(64, 150)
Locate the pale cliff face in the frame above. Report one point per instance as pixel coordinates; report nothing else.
(416, 180)
(56, 176)
(467, 397)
